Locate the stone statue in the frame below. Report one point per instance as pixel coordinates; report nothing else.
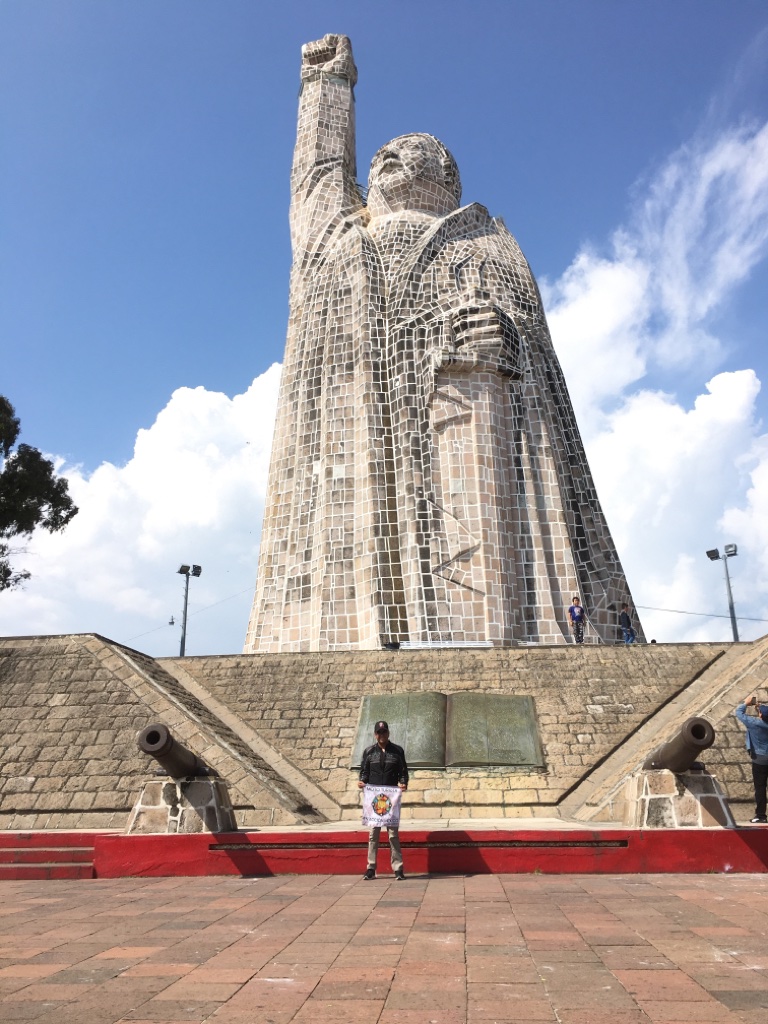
(428, 483)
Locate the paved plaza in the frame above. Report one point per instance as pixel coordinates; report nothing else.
(576, 949)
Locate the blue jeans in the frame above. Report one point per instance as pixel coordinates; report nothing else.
(629, 635)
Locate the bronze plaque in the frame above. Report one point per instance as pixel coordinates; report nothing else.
(426, 730)
(416, 723)
(491, 729)
(455, 730)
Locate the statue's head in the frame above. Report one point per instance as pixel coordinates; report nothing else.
(413, 172)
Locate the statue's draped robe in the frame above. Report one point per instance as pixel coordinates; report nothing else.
(428, 482)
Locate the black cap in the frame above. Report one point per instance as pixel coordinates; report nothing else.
(381, 727)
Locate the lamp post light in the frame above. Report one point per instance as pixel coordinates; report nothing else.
(729, 551)
(186, 571)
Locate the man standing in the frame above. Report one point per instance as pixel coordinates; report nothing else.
(576, 615)
(626, 625)
(757, 745)
(383, 764)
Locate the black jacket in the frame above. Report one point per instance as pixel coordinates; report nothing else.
(385, 767)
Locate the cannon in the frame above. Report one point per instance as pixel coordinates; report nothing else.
(173, 757)
(680, 753)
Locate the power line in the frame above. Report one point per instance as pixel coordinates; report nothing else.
(703, 615)
(205, 609)
(140, 635)
(222, 601)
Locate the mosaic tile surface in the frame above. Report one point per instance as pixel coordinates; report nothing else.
(428, 482)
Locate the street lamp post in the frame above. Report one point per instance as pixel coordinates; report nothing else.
(729, 551)
(186, 571)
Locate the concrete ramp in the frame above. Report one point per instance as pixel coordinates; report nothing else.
(71, 708)
(713, 694)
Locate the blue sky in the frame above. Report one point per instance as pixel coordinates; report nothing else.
(144, 249)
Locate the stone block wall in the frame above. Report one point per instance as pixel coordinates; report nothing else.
(663, 799)
(280, 729)
(68, 757)
(588, 700)
(71, 707)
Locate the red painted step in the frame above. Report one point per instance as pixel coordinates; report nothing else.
(43, 854)
(50, 839)
(43, 871)
(34, 856)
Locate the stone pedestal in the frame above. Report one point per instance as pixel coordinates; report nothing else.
(662, 799)
(169, 806)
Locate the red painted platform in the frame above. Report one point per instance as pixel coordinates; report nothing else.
(438, 852)
(445, 851)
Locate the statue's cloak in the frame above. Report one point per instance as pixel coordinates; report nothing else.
(428, 482)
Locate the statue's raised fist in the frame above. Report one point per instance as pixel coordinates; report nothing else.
(331, 55)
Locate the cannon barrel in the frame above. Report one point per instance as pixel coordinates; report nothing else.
(173, 757)
(679, 754)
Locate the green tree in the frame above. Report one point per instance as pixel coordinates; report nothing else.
(31, 494)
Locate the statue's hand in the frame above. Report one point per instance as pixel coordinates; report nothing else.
(331, 55)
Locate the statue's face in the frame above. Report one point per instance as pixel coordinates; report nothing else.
(404, 160)
(409, 174)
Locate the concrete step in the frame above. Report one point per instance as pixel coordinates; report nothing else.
(45, 870)
(36, 856)
(48, 839)
(45, 854)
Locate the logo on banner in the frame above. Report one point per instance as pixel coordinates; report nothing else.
(381, 806)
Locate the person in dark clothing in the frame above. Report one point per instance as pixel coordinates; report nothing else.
(625, 622)
(757, 745)
(383, 764)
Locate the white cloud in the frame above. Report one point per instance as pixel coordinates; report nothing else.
(675, 476)
(193, 491)
(597, 313)
(668, 457)
(747, 525)
(704, 226)
(696, 233)
(664, 474)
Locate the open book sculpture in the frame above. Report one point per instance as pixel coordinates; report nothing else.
(454, 730)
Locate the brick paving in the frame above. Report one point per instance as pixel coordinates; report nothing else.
(573, 949)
